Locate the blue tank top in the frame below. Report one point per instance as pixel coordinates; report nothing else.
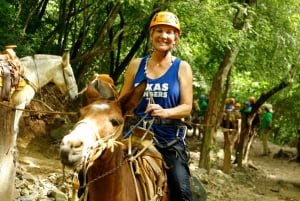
(165, 91)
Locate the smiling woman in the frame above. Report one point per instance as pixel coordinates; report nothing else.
(167, 99)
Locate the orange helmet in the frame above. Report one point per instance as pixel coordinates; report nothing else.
(252, 99)
(165, 18)
(237, 105)
(231, 100)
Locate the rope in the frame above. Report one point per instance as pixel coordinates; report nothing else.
(37, 111)
(135, 181)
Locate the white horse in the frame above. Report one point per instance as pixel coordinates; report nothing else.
(40, 70)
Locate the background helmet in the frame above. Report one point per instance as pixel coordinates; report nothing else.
(202, 97)
(231, 100)
(268, 107)
(237, 105)
(165, 18)
(252, 99)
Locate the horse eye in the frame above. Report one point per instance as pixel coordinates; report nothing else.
(115, 122)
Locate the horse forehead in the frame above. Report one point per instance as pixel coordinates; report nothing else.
(107, 108)
(101, 107)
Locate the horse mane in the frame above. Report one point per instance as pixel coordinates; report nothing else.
(46, 56)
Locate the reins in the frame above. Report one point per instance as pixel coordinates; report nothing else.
(109, 142)
(68, 85)
(96, 150)
(91, 155)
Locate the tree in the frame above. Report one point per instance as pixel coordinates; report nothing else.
(217, 95)
(104, 37)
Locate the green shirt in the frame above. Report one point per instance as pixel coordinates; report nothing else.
(202, 106)
(246, 110)
(266, 120)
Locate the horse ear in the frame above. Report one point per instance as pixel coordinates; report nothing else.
(130, 100)
(105, 89)
(92, 94)
(66, 59)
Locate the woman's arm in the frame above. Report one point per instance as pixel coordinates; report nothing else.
(129, 76)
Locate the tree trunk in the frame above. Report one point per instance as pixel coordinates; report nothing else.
(240, 148)
(213, 109)
(7, 154)
(247, 119)
(298, 147)
(248, 145)
(227, 152)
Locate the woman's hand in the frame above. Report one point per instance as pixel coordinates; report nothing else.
(157, 111)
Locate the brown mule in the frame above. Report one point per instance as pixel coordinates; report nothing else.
(96, 146)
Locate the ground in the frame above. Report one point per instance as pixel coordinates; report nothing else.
(275, 179)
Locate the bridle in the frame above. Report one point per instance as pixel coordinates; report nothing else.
(92, 153)
(68, 84)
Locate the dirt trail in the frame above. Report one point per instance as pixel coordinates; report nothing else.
(276, 179)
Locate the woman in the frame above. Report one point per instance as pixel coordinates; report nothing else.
(167, 99)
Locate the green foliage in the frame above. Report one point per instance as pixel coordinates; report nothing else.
(104, 42)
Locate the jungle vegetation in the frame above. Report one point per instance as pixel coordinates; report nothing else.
(237, 48)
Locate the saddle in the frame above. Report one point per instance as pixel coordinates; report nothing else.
(148, 164)
(11, 71)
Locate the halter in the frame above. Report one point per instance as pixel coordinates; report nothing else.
(93, 152)
(68, 85)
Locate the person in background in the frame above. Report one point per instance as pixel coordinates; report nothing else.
(202, 107)
(230, 105)
(252, 100)
(167, 99)
(246, 109)
(266, 127)
(237, 112)
(238, 125)
(256, 120)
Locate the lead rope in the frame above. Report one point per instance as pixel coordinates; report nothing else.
(147, 124)
(135, 180)
(92, 154)
(150, 122)
(132, 160)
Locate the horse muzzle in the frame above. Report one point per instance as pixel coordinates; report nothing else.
(70, 157)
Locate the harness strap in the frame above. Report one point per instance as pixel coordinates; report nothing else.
(6, 83)
(175, 122)
(34, 86)
(170, 144)
(147, 163)
(135, 181)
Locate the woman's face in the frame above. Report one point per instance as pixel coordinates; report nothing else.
(163, 37)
